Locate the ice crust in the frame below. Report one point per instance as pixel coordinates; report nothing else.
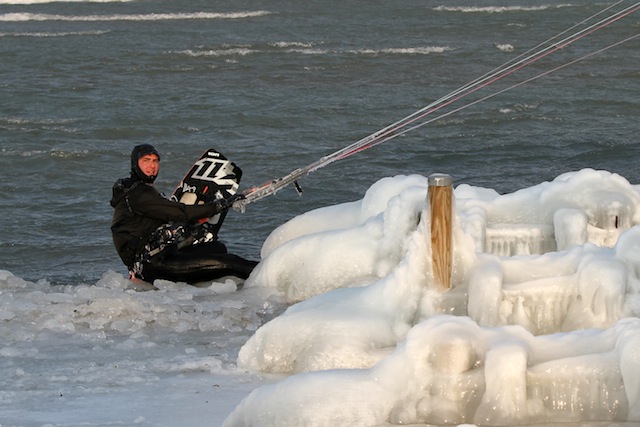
(540, 324)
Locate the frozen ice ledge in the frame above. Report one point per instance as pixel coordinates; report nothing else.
(540, 324)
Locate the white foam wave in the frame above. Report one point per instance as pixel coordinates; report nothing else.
(35, 121)
(405, 50)
(20, 124)
(497, 9)
(24, 17)
(232, 51)
(21, 153)
(307, 49)
(505, 47)
(291, 44)
(60, 34)
(61, 1)
(79, 153)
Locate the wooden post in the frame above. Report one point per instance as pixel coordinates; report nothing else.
(441, 209)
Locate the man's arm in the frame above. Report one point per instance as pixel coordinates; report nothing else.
(148, 202)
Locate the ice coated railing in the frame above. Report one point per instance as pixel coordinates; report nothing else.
(600, 225)
(546, 278)
(503, 377)
(519, 239)
(562, 281)
(590, 296)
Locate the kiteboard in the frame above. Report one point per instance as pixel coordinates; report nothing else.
(211, 177)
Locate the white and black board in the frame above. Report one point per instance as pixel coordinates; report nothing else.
(211, 177)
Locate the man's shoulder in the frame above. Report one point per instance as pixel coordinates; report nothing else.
(124, 183)
(132, 188)
(142, 192)
(129, 184)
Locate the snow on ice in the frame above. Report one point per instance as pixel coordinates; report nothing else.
(341, 323)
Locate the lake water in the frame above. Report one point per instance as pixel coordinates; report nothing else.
(276, 86)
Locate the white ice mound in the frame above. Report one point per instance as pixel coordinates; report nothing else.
(531, 271)
(449, 370)
(344, 245)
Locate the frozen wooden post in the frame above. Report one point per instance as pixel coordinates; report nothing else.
(441, 208)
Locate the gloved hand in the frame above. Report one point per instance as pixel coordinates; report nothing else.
(235, 198)
(224, 204)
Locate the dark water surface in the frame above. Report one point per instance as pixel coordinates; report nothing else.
(276, 86)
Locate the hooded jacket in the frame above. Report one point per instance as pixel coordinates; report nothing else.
(139, 209)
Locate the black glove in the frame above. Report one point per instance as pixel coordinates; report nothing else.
(235, 198)
(224, 204)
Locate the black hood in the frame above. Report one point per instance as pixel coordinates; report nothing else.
(139, 151)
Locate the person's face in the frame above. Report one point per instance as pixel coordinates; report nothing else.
(149, 164)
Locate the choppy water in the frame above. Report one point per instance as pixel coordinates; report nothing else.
(275, 86)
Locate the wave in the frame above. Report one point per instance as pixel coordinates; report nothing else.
(61, 1)
(58, 153)
(24, 17)
(13, 124)
(308, 49)
(21, 121)
(505, 47)
(60, 34)
(404, 50)
(239, 51)
(291, 44)
(498, 9)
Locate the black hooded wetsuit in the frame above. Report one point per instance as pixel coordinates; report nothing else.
(139, 209)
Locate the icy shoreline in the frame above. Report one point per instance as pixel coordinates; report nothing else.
(340, 324)
(106, 354)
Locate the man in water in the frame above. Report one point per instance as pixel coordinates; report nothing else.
(150, 245)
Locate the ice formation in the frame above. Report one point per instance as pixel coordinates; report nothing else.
(540, 324)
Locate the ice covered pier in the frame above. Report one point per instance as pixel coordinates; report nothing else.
(516, 309)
